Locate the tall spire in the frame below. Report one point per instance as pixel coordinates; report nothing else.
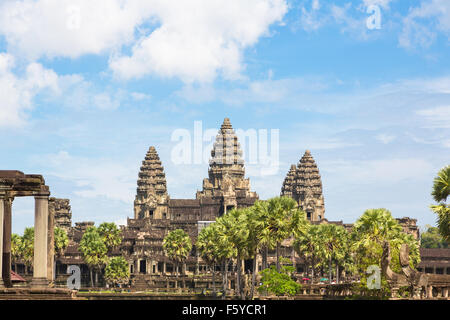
(227, 151)
(289, 182)
(151, 186)
(303, 183)
(226, 174)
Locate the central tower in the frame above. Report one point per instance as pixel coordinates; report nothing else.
(226, 175)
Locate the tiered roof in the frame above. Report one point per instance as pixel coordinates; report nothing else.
(151, 176)
(308, 177)
(303, 183)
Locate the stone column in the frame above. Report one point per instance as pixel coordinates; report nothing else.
(51, 245)
(1, 240)
(40, 242)
(7, 215)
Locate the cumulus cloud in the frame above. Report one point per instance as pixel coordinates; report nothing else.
(17, 92)
(67, 28)
(196, 40)
(193, 40)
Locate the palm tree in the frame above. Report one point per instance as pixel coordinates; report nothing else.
(236, 231)
(16, 252)
(281, 212)
(255, 224)
(261, 209)
(440, 192)
(441, 185)
(61, 241)
(333, 246)
(27, 247)
(177, 246)
(111, 235)
(371, 231)
(94, 251)
(223, 248)
(207, 244)
(309, 245)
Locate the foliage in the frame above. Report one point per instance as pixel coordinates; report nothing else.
(309, 245)
(278, 283)
(361, 292)
(432, 238)
(443, 219)
(111, 235)
(177, 245)
(369, 233)
(440, 192)
(61, 241)
(117, 271)
(441, 185)
(93, 248)
(27, 247)
(16, 244)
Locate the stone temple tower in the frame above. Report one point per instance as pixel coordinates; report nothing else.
(304, 185)
(226, 181)
(151, 199)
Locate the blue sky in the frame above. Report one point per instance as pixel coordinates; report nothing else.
(87, 87)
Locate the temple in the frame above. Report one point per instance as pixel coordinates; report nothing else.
(303, 183)
(156, 214)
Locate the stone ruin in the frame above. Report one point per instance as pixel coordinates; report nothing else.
(420, 285)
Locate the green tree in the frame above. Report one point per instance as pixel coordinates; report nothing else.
(282, 212)
(234, 225)
(16, 249)
(440, 192)
(369, 233)
(279, 283)
(207, 245)
(61, 241)
(216, 245)
(111, 235)
(432, 238)
(117, 272)
(333, 246)
(310, 246)
(94, 251)
(27, 247)
(177, 246)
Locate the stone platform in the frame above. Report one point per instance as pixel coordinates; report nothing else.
(37, 294)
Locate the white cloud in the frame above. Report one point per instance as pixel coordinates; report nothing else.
(194, 40)
(68, 28)
(197, 40)
(17, 92)
(422, 24)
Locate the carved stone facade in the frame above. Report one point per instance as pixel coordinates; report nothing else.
(151, 197)
(303, 183)
(62, 212)
(156, 214)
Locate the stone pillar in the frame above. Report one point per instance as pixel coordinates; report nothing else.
(40, 242)
(1, 240)
(51, 245)
(7, 216)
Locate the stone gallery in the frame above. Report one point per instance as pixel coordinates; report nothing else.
(156, 213)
